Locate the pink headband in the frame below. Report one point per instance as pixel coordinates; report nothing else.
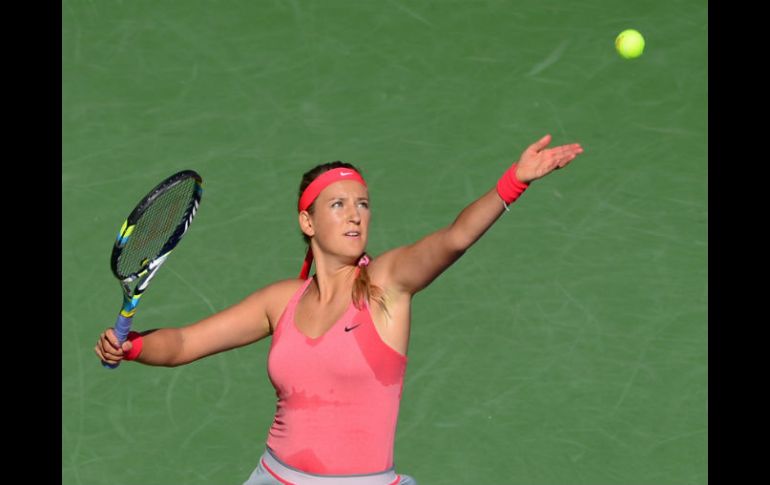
(323, 181)
(309, 195)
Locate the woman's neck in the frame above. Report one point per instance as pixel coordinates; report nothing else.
(333, 279)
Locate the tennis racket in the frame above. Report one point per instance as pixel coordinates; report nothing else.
(147, 237)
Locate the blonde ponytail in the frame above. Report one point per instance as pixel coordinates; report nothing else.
(364, 290)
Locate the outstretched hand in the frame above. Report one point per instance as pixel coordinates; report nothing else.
(537, 161)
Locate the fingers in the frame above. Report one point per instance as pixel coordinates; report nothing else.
(108, 349)
(110, 336)
(540, 144)
(560, 157)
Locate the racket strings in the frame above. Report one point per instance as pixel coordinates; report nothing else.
(163, 221)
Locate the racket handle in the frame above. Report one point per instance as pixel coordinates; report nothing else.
(122, 327)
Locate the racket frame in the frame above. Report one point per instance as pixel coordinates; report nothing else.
(140, 280)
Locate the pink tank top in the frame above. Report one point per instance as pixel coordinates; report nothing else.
(338, 395)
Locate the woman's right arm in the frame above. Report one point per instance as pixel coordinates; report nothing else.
(241, 324)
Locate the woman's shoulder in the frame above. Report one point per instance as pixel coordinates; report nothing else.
(381, 268)
(277, 288)
(285, 287)
(277, 295)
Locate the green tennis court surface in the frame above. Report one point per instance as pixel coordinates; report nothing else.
(569, 346)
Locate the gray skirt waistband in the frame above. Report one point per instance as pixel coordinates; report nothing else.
(292, 476)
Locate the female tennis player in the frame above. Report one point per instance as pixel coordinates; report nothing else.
(339, 338)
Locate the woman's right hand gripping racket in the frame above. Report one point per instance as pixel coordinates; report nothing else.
(150, 233)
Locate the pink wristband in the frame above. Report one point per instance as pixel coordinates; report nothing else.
(509, 187)
(136, 339)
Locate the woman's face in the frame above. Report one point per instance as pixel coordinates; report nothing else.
(340, 220)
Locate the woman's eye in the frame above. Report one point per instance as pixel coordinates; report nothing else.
(338, 203)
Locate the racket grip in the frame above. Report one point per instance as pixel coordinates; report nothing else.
(122, 327)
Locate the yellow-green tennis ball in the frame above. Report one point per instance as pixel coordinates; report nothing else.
(629, 43)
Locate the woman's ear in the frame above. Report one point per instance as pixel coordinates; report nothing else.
(306, 224)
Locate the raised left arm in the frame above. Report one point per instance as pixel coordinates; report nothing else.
(409, 269)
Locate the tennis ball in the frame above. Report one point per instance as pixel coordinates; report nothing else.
(629, 43)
